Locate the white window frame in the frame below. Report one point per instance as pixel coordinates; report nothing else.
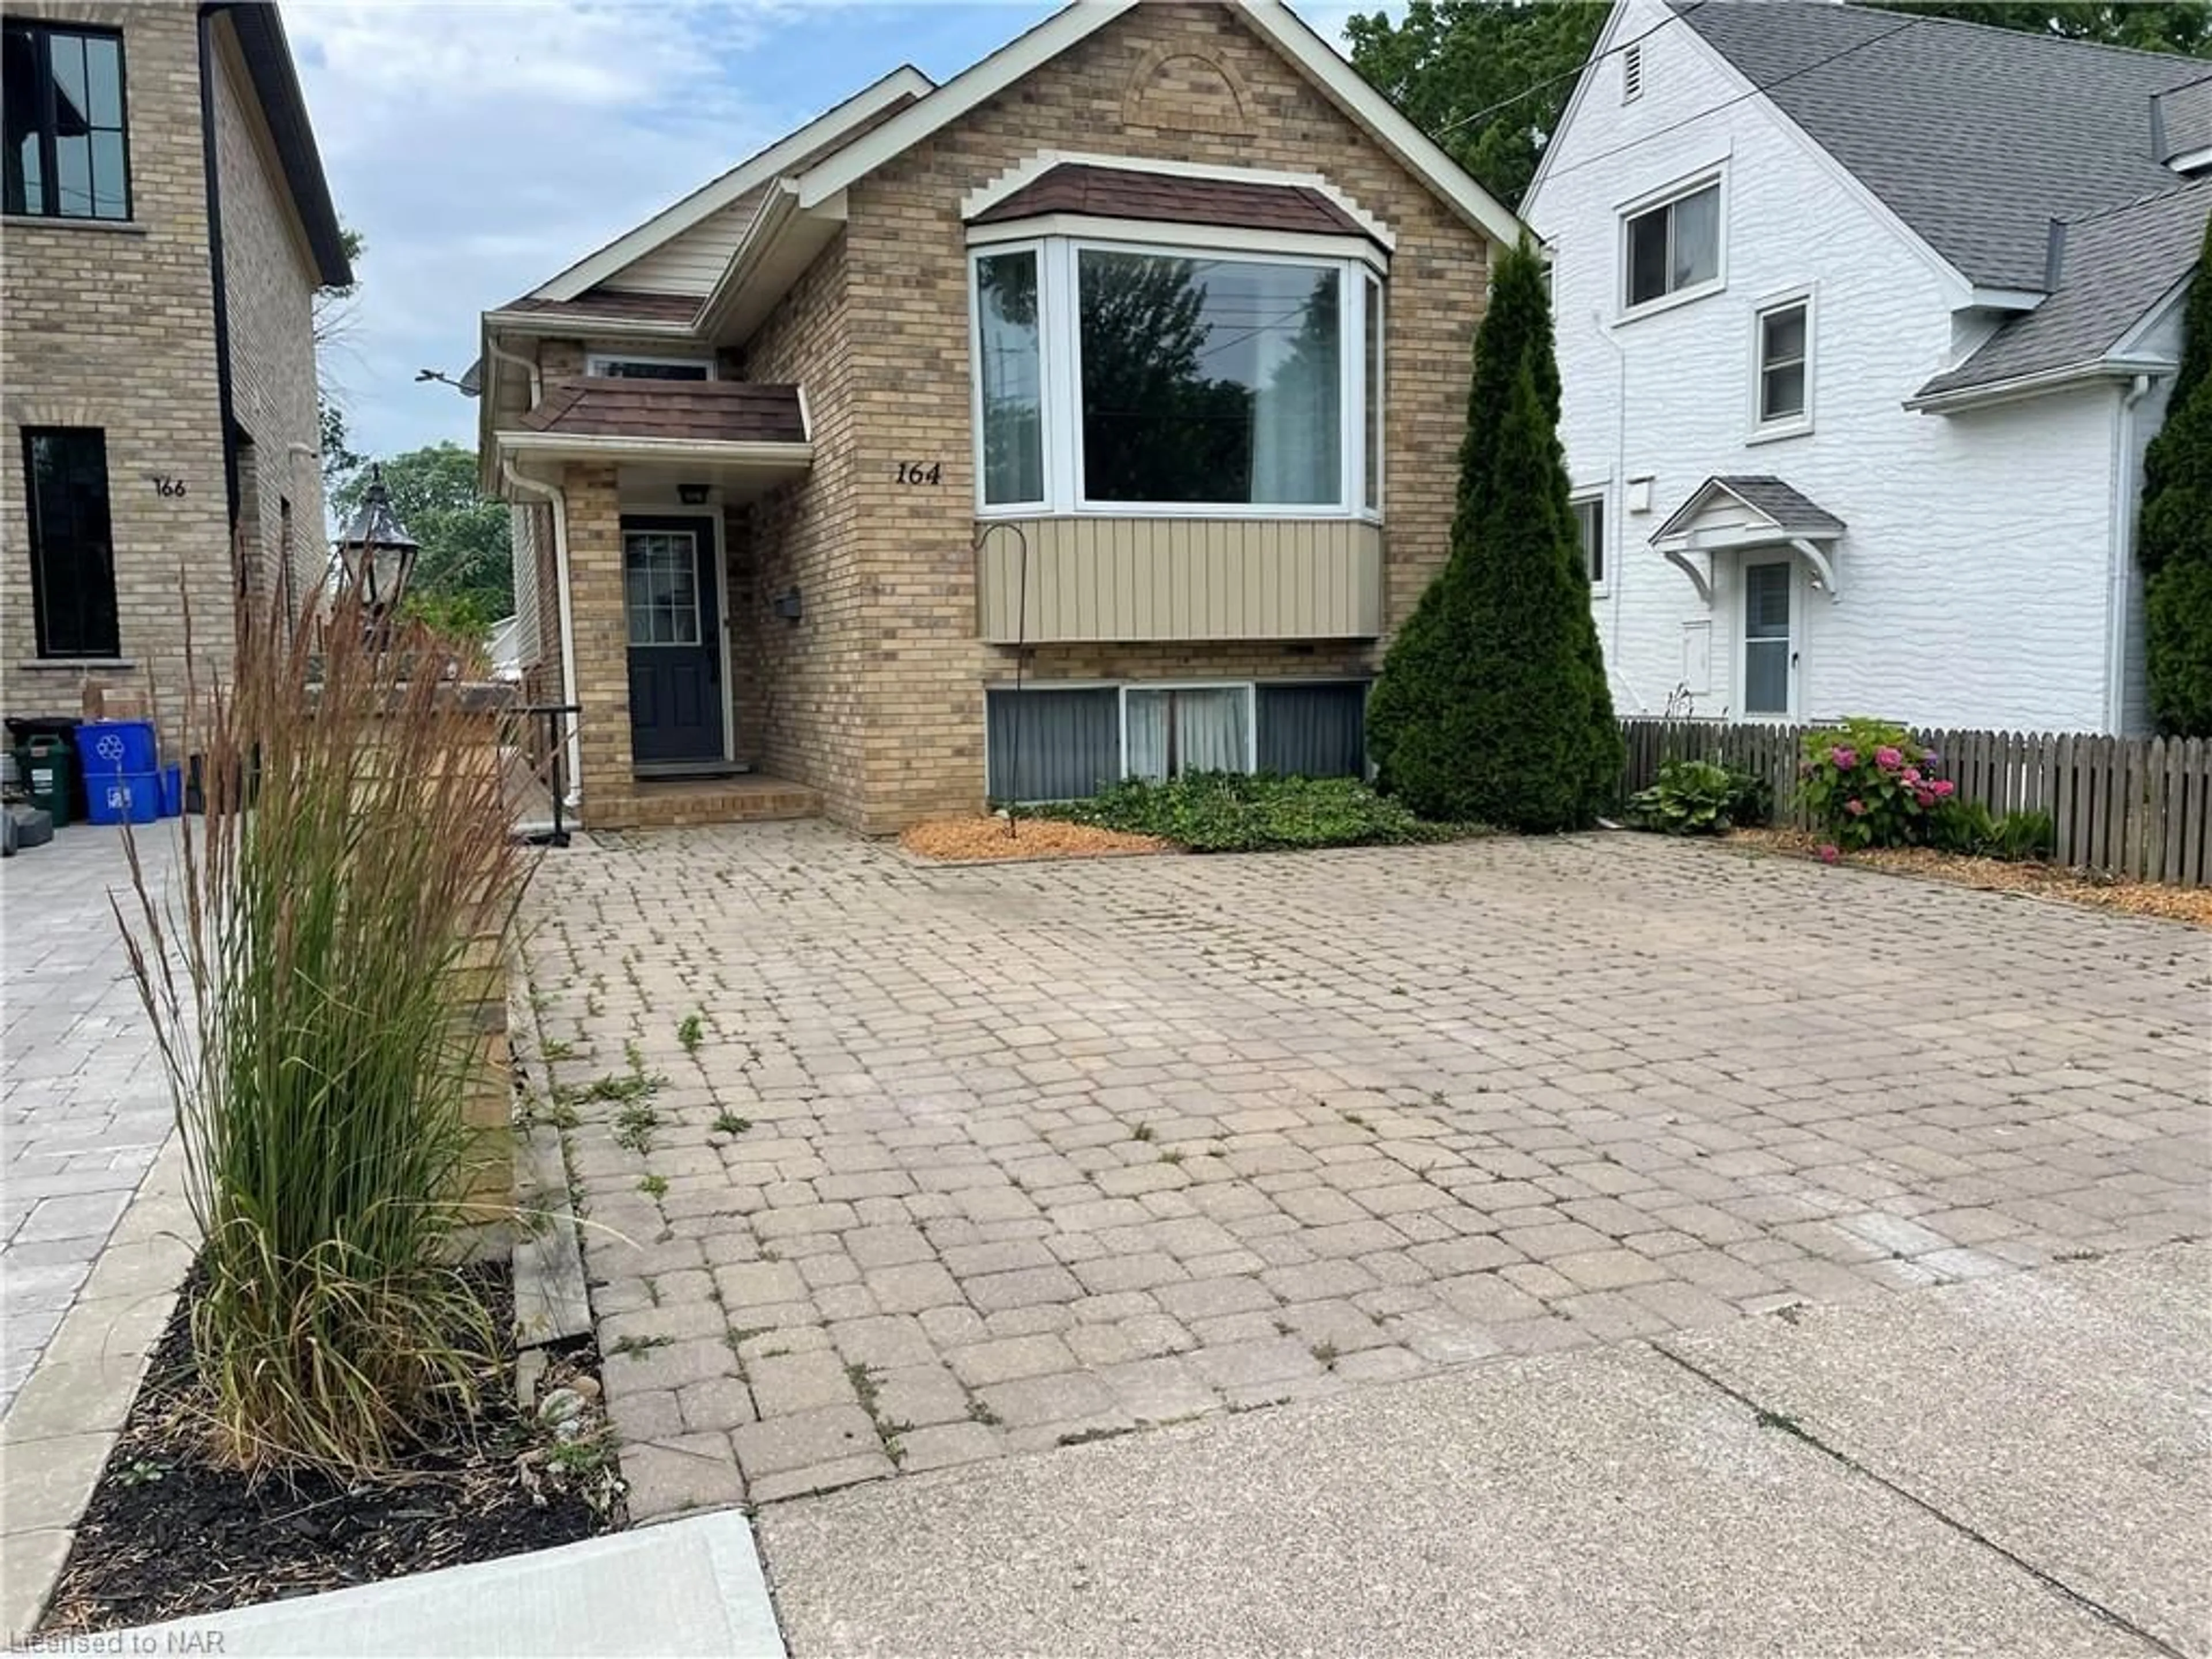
(1782, 426)
(1714, 178)
(1788, 560)
(595, 363)
(1249, 687)
(1601, 495)
(1061, 381)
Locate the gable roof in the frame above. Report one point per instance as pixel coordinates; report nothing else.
(1127, 193)
(1322, 65)
(2184, 119)
(818, 137)
(1975, 137)
(1787, 510)
(2113, 268)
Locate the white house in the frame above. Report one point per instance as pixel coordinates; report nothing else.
(1864, 320)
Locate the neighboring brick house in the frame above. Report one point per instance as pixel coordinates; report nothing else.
(1865, 320)
(1072, 369)
(166, 227)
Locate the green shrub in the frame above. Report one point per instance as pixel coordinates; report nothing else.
(1869, 783)
(2173, 538)
(2178, 643)
(1492, 707)
(1233, 812)
(1701, 798)
(302, 989)
(1967, 827)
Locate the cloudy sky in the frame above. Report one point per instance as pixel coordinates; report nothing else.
(480, 148)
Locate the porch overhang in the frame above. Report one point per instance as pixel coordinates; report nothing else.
(739, 468)
(1741, 514)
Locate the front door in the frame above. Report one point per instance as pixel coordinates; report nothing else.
(675, 642)
(1770, 656)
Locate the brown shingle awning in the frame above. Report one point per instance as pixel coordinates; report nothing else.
(1126, 193)
(696, 411)
(615, 305)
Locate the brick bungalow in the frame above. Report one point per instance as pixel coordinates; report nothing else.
(1129, 363)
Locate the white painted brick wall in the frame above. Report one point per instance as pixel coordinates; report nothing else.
(1975, 571)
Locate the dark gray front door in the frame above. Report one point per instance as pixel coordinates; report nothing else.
(675, 640)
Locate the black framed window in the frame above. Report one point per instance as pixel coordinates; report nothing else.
(72, 549)
(68, 142)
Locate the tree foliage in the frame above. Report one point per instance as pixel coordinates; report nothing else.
(1492, 706)
(2174, 539)
(463, 577)
(332, 321)
(1490, 79)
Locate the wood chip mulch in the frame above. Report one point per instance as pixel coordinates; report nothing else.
(2192, 905)
(170, 1534)
(986, 839)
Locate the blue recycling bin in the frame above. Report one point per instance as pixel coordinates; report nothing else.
(113, 748)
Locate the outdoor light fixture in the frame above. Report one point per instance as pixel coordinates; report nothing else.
(787, 604)
(691, 494)
(376, 551)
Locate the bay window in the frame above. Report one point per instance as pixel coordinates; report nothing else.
(1140, 380)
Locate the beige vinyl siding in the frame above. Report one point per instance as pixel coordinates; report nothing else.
(1112, 579)
(693, 262)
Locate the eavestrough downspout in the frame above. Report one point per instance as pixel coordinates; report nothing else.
(2122, 573)
(556, 500)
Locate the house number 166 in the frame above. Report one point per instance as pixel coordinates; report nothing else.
(921, 472)
(167, 488)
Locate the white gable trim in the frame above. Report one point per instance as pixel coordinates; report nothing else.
(1025, 173)
(906, 81)
(1305, 51)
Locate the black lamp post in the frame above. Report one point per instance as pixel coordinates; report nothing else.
(377, 552)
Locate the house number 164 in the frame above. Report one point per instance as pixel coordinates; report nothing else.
(921, 472)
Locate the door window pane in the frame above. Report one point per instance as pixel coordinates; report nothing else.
(72, 551)
(1766, 639)
(1188, 729)
(1210, 381)
(661, 583)
(1010, 374)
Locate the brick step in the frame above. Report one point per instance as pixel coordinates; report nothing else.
(750, 800)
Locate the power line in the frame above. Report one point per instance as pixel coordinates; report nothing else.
(1755, 90)
(1568, 74)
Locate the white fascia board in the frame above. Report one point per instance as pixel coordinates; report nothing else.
(2130, 346)
(578, 444)
(905, 82)
(574, 325)
(2108, 368)
(1027, 172)
(1275, 23)
(1164, 233)
(2192, 161)
(2004, 299)
(780, 244)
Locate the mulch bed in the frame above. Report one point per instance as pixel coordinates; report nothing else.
(2141, 898)
(985, 841)
(168, 1534)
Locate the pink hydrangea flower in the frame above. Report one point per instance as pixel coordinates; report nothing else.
(1926, 797)
(1888, 758)
(1943, 786)
(1828, 853)
(1844, 759)
(1855, 807)
(1911, 776)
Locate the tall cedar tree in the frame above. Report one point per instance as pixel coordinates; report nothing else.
(1493, 706)
(2174, 537)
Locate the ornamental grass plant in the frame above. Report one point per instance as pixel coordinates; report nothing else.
(354, 862)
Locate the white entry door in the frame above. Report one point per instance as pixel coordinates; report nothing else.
(1769, 679)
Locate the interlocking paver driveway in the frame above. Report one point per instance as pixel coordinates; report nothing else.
(968, 1161)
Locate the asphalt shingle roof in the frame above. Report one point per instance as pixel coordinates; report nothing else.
(1127, 193)
(1975, 137)
(2112, 268)
(699, 412)
(2184, 119)
(1794, 513)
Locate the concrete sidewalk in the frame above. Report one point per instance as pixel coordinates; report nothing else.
(2012, 1467)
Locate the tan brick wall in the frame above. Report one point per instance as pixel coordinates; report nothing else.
(595, 585)
(114, 328)
(269, 279)
(1168, 81)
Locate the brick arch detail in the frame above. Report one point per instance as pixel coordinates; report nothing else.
(1185, 86)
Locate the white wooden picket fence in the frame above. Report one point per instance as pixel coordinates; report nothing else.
(2137, 807)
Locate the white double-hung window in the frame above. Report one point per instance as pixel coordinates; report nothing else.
(1137, 379)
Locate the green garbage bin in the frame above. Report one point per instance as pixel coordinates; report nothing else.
(44, 764)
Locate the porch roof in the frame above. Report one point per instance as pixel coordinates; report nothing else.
(703, 411)
(1775, 509)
